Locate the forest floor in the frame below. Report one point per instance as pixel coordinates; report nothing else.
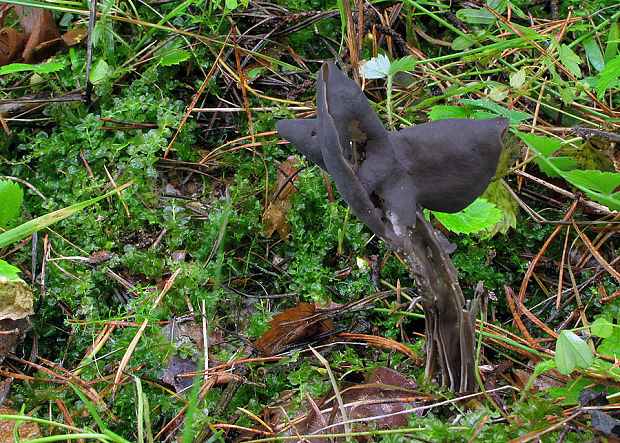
(228, 294)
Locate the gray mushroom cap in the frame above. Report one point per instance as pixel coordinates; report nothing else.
(382, 175)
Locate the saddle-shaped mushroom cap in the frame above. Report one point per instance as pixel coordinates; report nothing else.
(382, 175)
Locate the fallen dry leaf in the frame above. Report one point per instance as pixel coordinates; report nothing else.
(40, 39)
(294, 325)
(274, 217)
(27, 430)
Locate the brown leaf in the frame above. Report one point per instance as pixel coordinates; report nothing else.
(39, 41)
(386, 394)
(27, 430)
(274, 217)
(11, 45)
(294, 325)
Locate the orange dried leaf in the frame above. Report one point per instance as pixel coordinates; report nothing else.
(294, 325)
(274, 217)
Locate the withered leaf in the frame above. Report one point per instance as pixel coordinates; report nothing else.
(294, 325)
(274, 217)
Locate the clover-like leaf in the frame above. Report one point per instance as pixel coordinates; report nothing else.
(572, 352)
(602, 327)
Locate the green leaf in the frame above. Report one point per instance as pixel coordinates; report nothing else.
(515, 117)
(46, 68)
(571, 352)
(570, 60)
(545, 146)
(16, 67)
(608, 77)
(11, 197)
(594, 54)
(498, 6)
(476, 217)
(439, 112)
(24, 230)
(377, 67)
(174, 57)
(605, 182)
(99, 72)
(602, 327)
(610, 346)
(463, 42)
(8, 271)
(517, 79)
(231, 4)
(476, 16)
(402, 64)
(611, 49)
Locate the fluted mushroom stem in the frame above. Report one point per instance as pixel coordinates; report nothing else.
(450, 322)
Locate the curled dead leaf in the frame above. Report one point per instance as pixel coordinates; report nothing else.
(294, 325)
(274, 217)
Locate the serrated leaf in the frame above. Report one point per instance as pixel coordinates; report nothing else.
(174, 57)
(515, 117)
(602, 327)
(594, 54)
(439, 112)
(474, 218)
(605, 182)
(517, 79)
(545, 146)
(571, 352)
(608, 76)
(8, 271)
(377, 67)
(570, 60)
(11, 197)
(476, 16)
(402, 64)
(497, 195)
(99, 72)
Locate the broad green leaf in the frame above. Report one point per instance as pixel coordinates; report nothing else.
(608, 77)
(611, 49)
(474, 218)
(174, 58)
(515, 117)
(463, 42)
(517, 79)
(11, 197)
(476, 16)
(498, 6)
(231, 4)
(99, 72)
(46, 68)
(602, 327)
(402, 64)
(570, 60)
(377, 67)
(605, 182)
(8, 271)
(551, 165)
(594, 54)
(571, 352)
(24, 230)
(610, 346)
(16, 67)
(439, 112)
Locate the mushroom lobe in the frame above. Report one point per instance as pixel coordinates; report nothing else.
(443, 165)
